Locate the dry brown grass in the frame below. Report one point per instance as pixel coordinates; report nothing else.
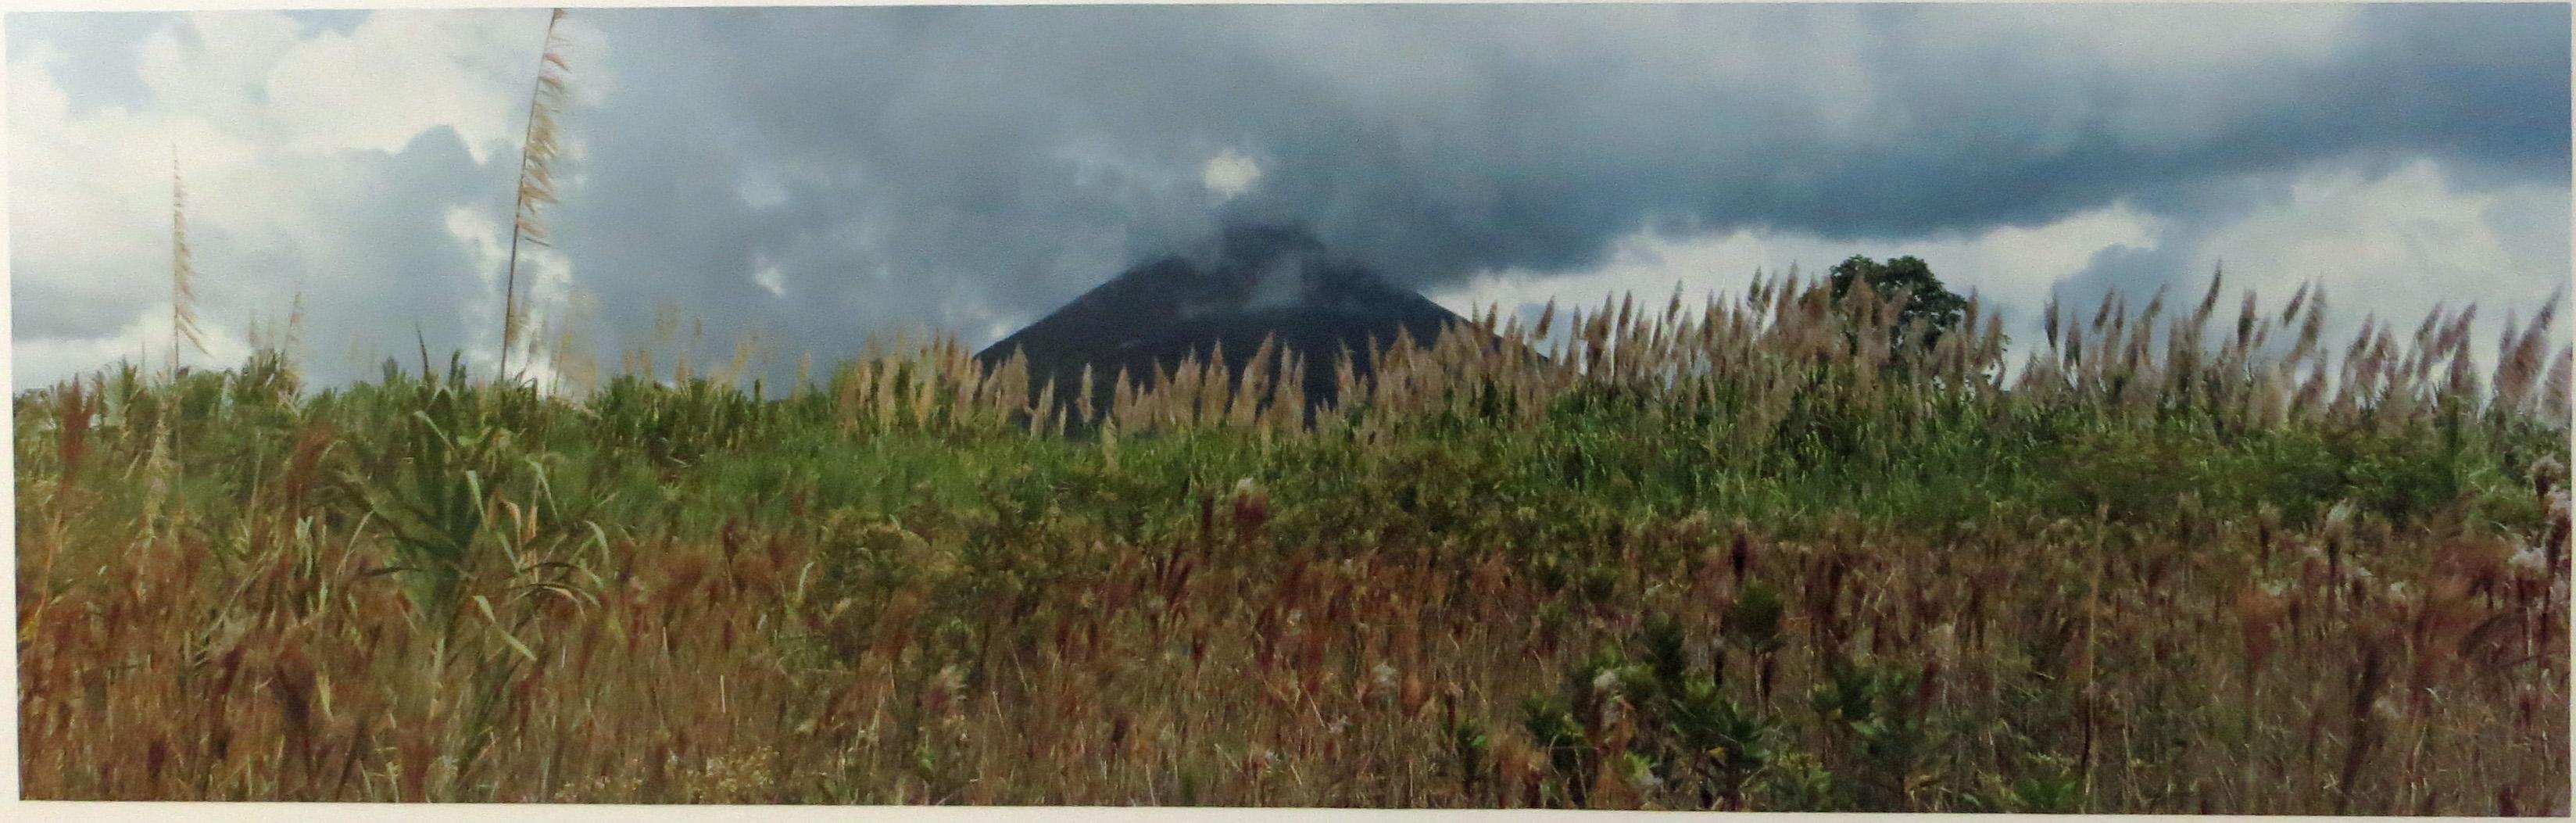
(1247, 651)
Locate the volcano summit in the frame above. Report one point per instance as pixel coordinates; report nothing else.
(1258, 280)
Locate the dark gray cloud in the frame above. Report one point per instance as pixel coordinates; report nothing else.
(1031, 151)
(963, 168)
(337, 21)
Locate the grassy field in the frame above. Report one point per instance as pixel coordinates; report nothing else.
(1750, 555)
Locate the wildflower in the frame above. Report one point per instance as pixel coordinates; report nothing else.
(1384, 675)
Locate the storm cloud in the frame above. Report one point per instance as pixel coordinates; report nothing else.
(825, 174)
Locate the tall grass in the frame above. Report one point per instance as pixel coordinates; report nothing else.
(536, 187)
(1747, 555)
(183, 272)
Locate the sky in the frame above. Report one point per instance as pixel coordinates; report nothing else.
(809, 177)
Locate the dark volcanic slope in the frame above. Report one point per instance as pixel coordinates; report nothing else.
(1262, 280)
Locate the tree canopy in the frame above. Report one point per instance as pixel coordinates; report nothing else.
(1926, 299)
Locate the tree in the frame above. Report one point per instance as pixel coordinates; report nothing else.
(1926, 299)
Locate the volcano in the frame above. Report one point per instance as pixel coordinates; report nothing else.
(1259, 281)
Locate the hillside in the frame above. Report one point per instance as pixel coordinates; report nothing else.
(1259, 281)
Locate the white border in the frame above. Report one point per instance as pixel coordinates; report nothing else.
(13, 809)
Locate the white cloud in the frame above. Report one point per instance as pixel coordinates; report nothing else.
(1229, 175)
(769, 277)
(545, 275)
(145, 341)
(394, 77)
(2010, 268)
(2398, 244)
(483, 233)
(279, 128)
(2393, 244)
